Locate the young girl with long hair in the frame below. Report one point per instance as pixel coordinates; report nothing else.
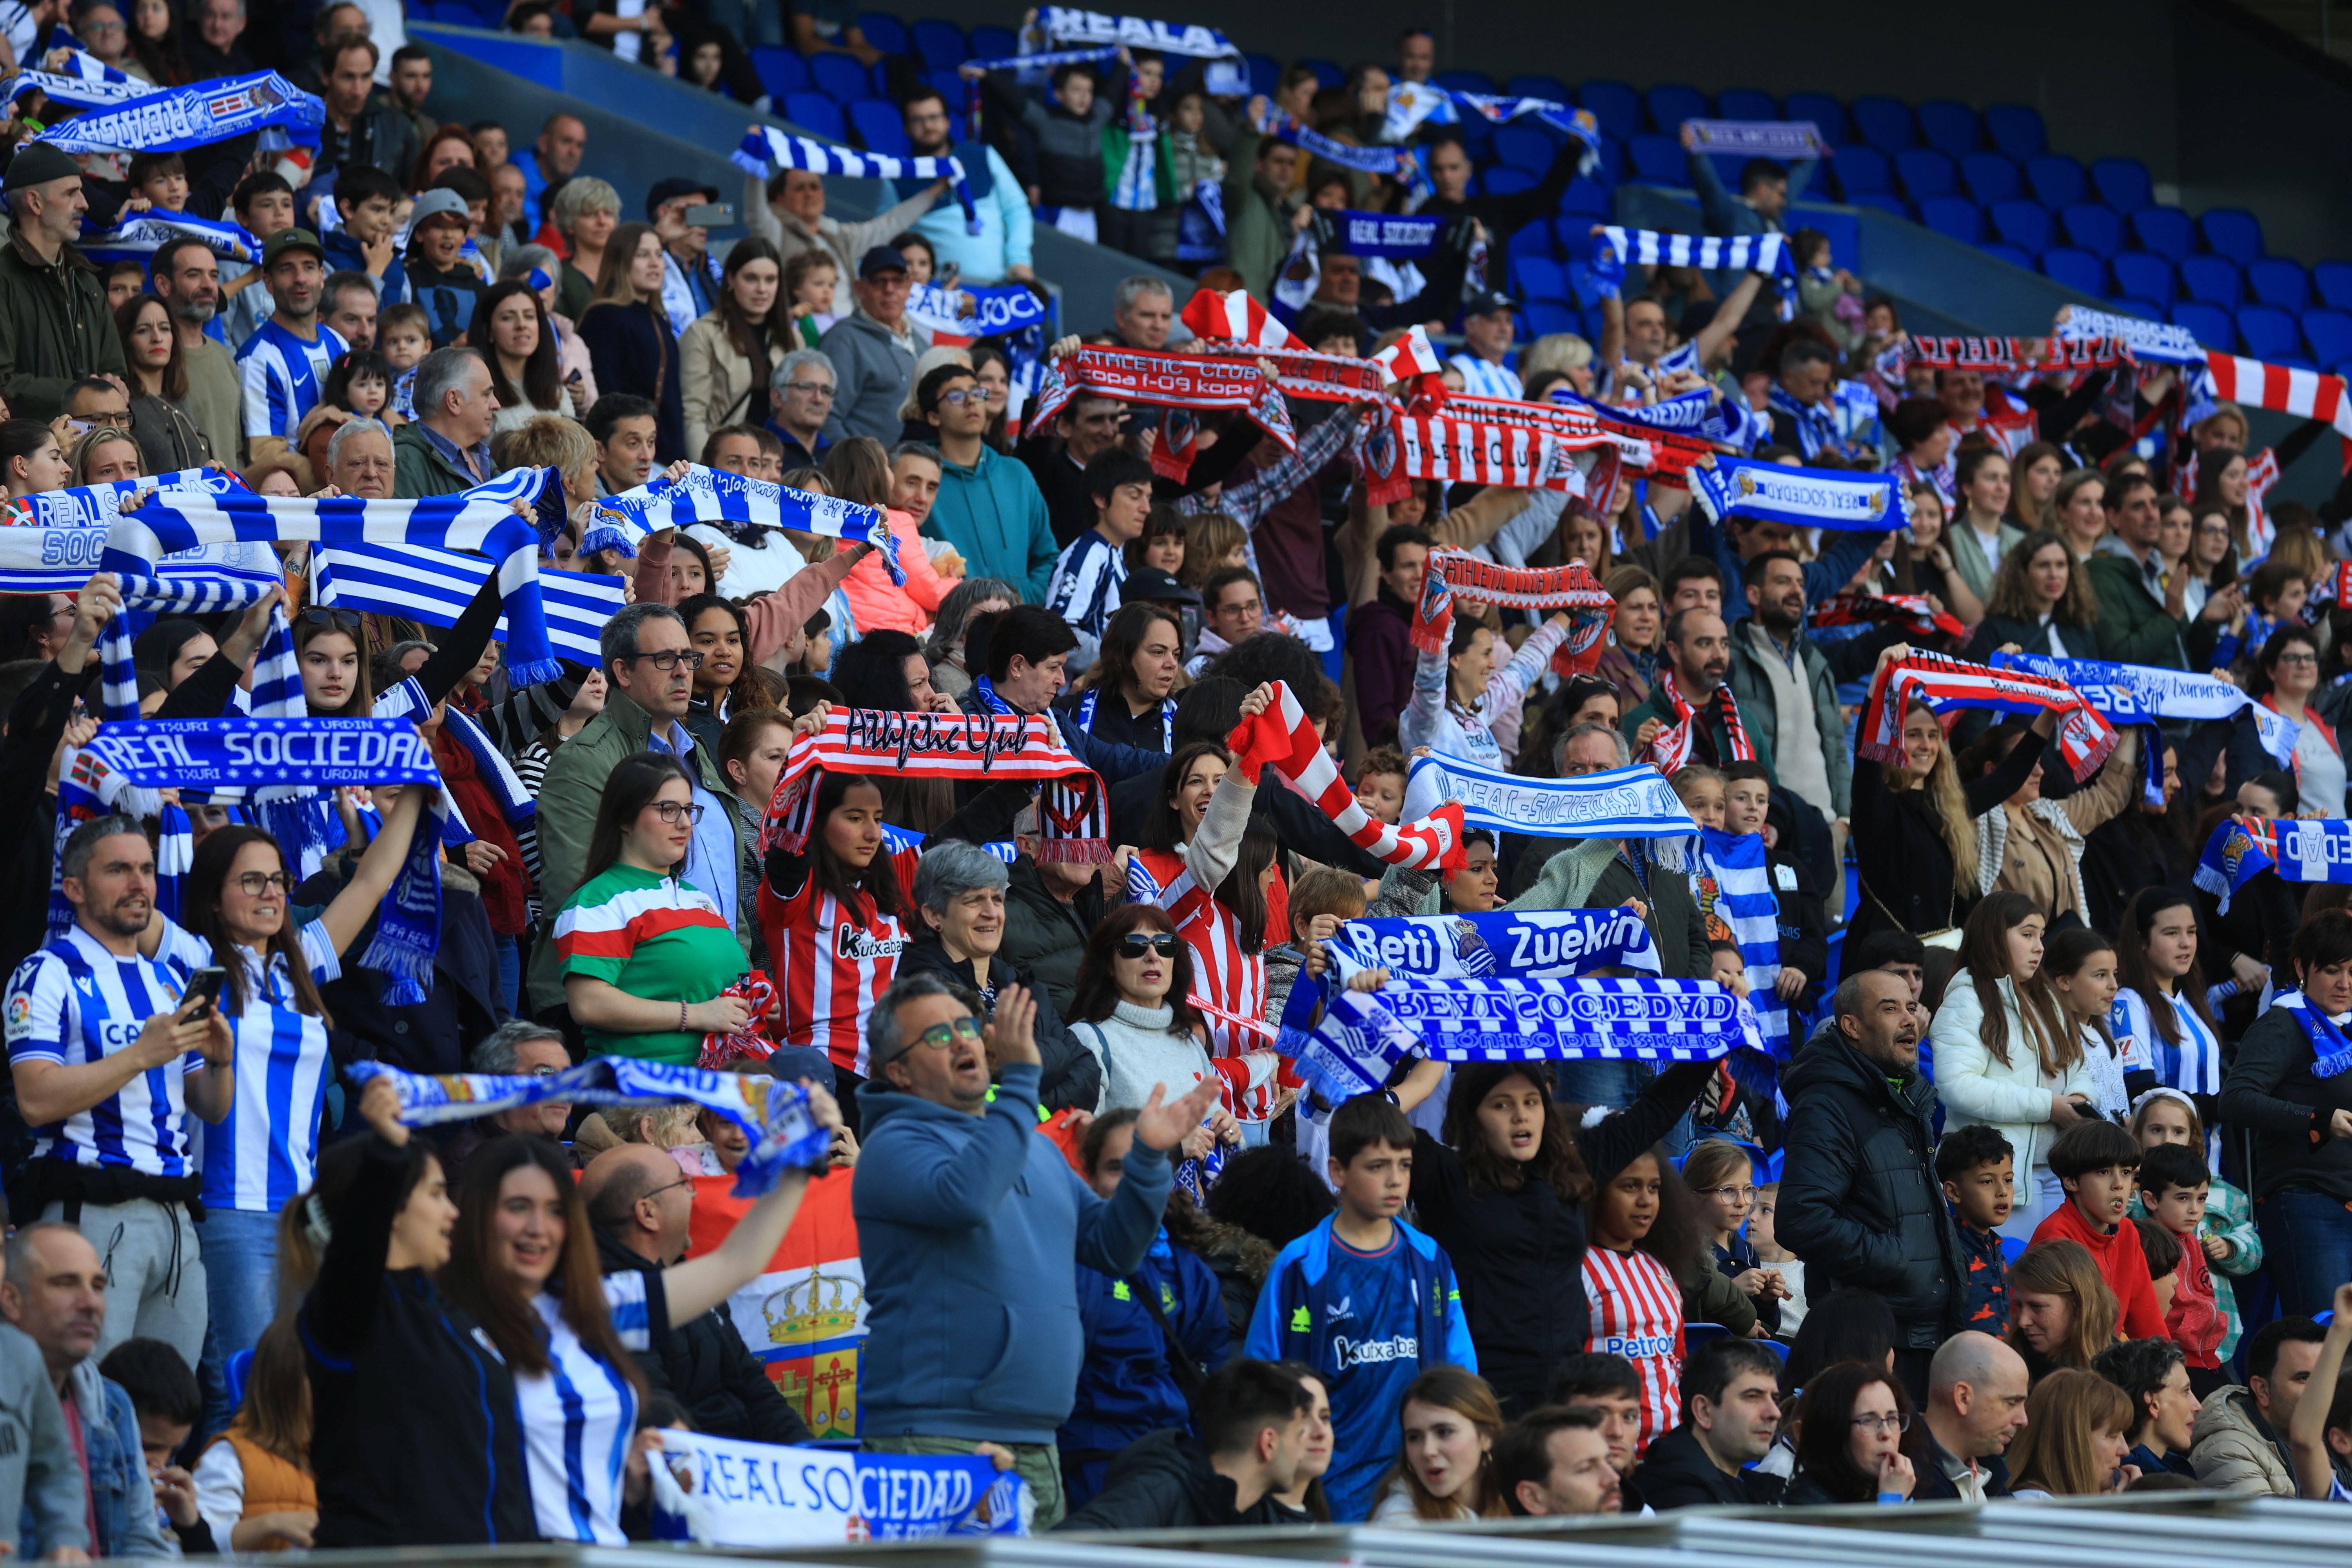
(2084, 971)
(2077, 1430)
(1645, 1246)
(1722, 1180)
(1446, 1470)
(1458, 695)
(254, 1484)
(2041, 601)
(2160, 1016)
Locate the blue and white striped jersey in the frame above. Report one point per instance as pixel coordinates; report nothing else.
(1480, 378)
(283, 377)
(73, 1002)
(1087, 583)
(579, 1417)
(265, 1151)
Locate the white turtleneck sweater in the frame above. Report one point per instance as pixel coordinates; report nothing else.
(1138, 1048)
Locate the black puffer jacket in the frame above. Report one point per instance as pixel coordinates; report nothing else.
(1859, 1199)
(1161, 1480)
(1071, 1075)
(2271, 1091)
(705, 1366)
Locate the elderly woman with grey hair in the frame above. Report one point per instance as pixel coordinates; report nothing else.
(959, 891)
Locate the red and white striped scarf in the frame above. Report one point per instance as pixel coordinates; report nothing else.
(1322, 378)
(1670, 751)
(1911, 612)
(1282, 738)
(1571, 587)
(1464, 452)
(2308, 392)
(1169, 381)
(2005, 424)
(2084, 736)
(2012, 356)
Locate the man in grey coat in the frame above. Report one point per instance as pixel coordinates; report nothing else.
(873, 351)
(1788, 697)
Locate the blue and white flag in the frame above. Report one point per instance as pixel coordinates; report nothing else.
(967, 311)
(1790, 141)
(434, 586)
(201, 590)
(1623, 803)
(768, 146)
(713, 495)
(897, 840)
(724, 1491)
(1745, 899)
(2139, 694)
(1801, 498)
(1386, 236)
(86, 82)
(1508, 944)
(2305, 850)
(2155, 341)
(180, 117)
(144, 234)
(1069, 24)
(774, 1114)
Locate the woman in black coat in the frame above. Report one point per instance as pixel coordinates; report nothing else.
(2041, 602)
(628, 335)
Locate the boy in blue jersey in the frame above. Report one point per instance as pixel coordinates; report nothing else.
(1365, 1300)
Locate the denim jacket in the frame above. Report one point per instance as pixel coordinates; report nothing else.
(121, 1497)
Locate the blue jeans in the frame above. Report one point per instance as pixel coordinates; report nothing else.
(510, 951)
(2307, 1247)
(1615, 1085)
(240, 1250)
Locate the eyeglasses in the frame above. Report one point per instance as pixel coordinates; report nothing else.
(2296, 658)
(1883, 1424)
(1743, 1194)
(1135, 945)
(670, 811)
(963, 395)
(810, 388)
(320, 616)
(253, 884)
(681, 1181)
(943, 1036)
(107, 419)
(668, 659)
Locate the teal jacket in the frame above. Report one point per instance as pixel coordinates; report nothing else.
(995, 516)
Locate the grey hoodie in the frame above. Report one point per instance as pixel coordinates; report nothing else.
(37, 1466)
(873, 373)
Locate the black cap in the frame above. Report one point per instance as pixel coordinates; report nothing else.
(881, 259)
(670, 190)
(1149, 584)
(1488, 302)
(36, 163)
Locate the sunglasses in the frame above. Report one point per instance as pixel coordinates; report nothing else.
(318, 615)
(1135, 945)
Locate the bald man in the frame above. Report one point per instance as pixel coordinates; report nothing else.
(642, 1205)
(1976, 1407)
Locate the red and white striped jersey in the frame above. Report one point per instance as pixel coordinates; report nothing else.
(1226, 981)
(1637, 1314)
(832, 962)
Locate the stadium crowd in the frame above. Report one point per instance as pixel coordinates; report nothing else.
(2041, 1188)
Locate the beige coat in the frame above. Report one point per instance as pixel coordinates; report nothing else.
(846, 241)
(2038, 852)
(718, 385)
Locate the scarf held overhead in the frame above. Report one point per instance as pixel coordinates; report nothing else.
(1623, 803)
(1282, 738)
(2084, 736)
(2138, 694)
(1539, 944)
(1800, 498)
(719, 497)
(1573, 587)
(1911, 612)
(1189, 382)
(1787, 141)
(767, 146)
(435, 585)
(2306, 850)
(181, 118)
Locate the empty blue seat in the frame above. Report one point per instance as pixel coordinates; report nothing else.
(1001, 43)
(2269, 333)
(1860, 169)
(2093, 227)
(1883, 123)
(885, 32)
(2146, 274)
(1265, 70)
(1659, 160)
(1885, 201)
(1950, 128)
(1991, 177)
(817, 114)
(1746, 103)
(2123, 183)
(2056, 181)
(2275, 281)
(1529, 239)
(2333, 282)
(840, 77)
(2209, 324)
(2141, 310)
(1465, 81)
(2232, 232)
(1542, 318)
(780, 70)
(1926, 173)
(2016, 130)
(2167, 231)
(1508, 182)
(1615, 106)
(1539, 277)
(1550, 88)
(1524, 147)
(2025, 224)
(1671, 103)
(880, 128)
(2329, 332)
(1953, 216)
(940, 43)
(1587, 198)
(1575, 233)
(2077, 269)
(2008, 253)
(1827, 114)
(1327, 72)
(951, 87)
(2215, 280)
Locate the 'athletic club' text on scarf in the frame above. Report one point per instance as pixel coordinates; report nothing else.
(2084, 736)
(1169, 380)
(717, 496)
(727, 1491)
(1623, 803)
(2138, 694)
(1282, 737)
(2307, 850)
(1800, 498)
(767, 145)
(180, 117)
(1536, 944)
(1573, 587)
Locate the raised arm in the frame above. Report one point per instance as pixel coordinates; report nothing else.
(371, 879)
(2308, 1434)
(339, 1316)
(699, 1284)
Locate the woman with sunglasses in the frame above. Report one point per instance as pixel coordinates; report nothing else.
(1134, 1009)
(646, 956)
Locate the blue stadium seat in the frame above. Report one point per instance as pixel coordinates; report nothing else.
(885, 32)
(1953, 216)
(2269, 333)
(780, 70)
(1615, 106)
(2141, 310)
(1883, 123)
(2275, 281)
(1926, 173)
(1518, 147)
(2333, 280)
(1950, 128)
(2025, 224)
(1746, 103)
(2209, 324)
(1508, 182)
(2167, 231)
(1001, 43)
(940, 43)
(2016, 130)
(1529, 239)
(1327, 72)
(817, 114)
(1539, 277)
(1550, 88)
(2056, 181)
(2093, 227)
(2215, 280)
(1542, 318)
(2076, 270)
(2008, 253)
(1581, 286)
(1587, 196)
(1991, 177)
(1265, 70)
(879, 127)
(840, 77)
(1659, 160)
(952, 87)
(2123, 183)
(1465, 81)
(2145, 274)
(2329, 332)
(1885, 201)
(1860, 169)
(1827, 114)
(2232, 232)
(1670, 104)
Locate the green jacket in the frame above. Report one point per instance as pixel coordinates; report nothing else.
(54, 329)
(1258, 230)
(567, 814)
(2134, 627)
(1116, 140)
(419, 470)
(1751, 689)
(1758, 736)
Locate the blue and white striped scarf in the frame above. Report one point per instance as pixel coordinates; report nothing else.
(2331, 1052)
(1412, 104)
(406, 700)
(715, 495)
(1069, 24)
(768, 146)
(479, 519)
(1614, 247)
(1744, 897)
(2306, 850)
(2138, 694)
(179, 117)
(205, 590)
(1801, 498)
(1506, 944)
(87, 82)
(422, 583)
(898, 840)
(1396, 162)
(1623, 803)
(1047, 59)
(1816, 423)
(140, 235)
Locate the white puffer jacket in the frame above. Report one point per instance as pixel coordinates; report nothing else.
(1976, 1086)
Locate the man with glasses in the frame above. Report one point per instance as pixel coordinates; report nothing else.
(649, 665)
(873, 351)
(801, 393)
(517, 1048)
(969, 1222)
(96, 400)
(989, 505)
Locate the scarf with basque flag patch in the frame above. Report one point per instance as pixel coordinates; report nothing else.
(2084, 736)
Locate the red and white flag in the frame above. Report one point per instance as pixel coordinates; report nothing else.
(1236, 318)
(1410, 355)
(2312, 393)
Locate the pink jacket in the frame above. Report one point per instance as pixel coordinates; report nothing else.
(771, 618)
(876, 602)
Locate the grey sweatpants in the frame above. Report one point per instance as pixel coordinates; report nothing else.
(155, 1272)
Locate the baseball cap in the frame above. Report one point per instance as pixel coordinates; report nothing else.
(36, 163)
(287, 239)
(670, 190)
(439, 202)
(881, 259)
(1488, 302)
(1151, 584)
